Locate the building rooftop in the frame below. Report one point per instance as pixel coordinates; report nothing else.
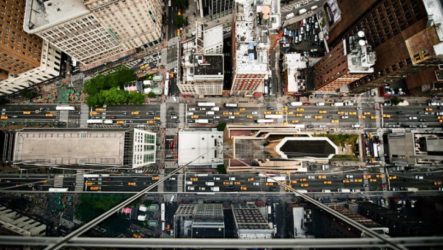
(293, 63)
(434, 145)
(248, 217)
(200, 147)
(213, 36)
(70, 147)
(252, 39)
(40, 14)
(316, 147)
(360, 56)
(208, 65)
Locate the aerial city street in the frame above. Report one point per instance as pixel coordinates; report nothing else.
(251, 124)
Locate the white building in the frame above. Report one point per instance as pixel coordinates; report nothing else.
(292, 64)
(250, 222)
(49, 68)
(202, 148)
(106, 30)
(78, 147)
(253, 23)
(20, 224)
(203, 63)
(135, 22)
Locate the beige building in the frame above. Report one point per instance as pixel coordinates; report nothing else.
(25, 59)
(203, 63)
(92, 31)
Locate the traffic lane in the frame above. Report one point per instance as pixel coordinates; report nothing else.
(27, 107)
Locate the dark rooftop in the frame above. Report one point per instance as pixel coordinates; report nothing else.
(308, 148)
(211, 65)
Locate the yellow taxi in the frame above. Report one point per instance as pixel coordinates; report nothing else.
(327, 182)
(155, 178)
(4, 117)
(334, 121)
(300, 109)
(295, 121)
(367, 176)
(241, 109)
(366, 113)
(227, 183)
(393, 177)
(373, 117)
(380, 176)
(318, 117)
(120, 122)
(93, 113)
(135, 113)
(88, 183)
(237, 183)
(294, 182)
(243, 188)
(100, 109)
(322, 111)
(194, 179)
(386, 116)
(437, 183)
(358, 180)
(304, 185)
(267, 112)
(249, 117)
(428, 109)
(251, 179)
(321, 177)
(269, 184)
(346, 181)
(352, 113)
(49, 114)
(303, 179)
(157, 118)
(299, 115)
(340, 113)
(291, 113)
(361, 117)
(278, 112)
(132, 184)
(194, 116)
(372, 180)
(237, 113)
(94, 188)
(150, 122)
(26, 112)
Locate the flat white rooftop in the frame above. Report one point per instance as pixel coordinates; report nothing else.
(200, 147)
(40, 15)
(213, 37)
(70, 147)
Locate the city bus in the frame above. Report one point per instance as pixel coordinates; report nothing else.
(274, 116)
(205, 104)
(264, 121)
(108, 121)
(166, 87)
(202, 121)
(276, 178)
(231, 105)
(58, 190)
(64, 107)
(94, 121)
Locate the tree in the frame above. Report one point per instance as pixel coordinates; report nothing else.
(395, 100)
(136, 98)
(221, 126)
(114, 96)
(152, 95)
(29, 93)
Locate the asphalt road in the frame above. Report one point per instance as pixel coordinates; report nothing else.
(349, 181)
(148, 114)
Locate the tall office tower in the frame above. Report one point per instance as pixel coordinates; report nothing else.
(136, 23)
(24, 59)
(94, 31)
(214, 8)
(251, 27)
(387, 26)
(203, 63)
(349, 61)
(19, 51)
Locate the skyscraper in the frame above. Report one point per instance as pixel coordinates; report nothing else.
(94, 31)
(387, 26)
(25, 59)
(19, 51)
(349, 61)
(251, 27)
